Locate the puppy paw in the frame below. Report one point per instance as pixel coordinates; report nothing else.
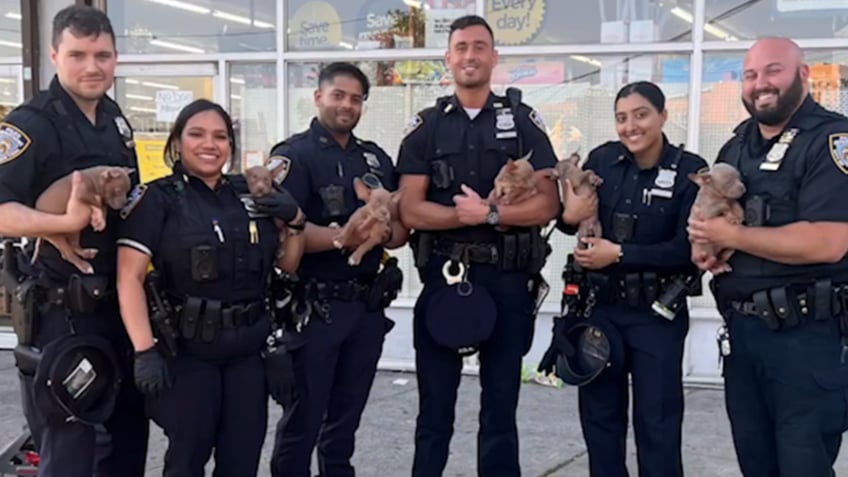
(87, 253)
(353, 261)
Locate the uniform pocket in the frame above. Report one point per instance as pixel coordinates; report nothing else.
(834, 407)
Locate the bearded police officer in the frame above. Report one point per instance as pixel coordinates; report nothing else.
(784, 302)
(476, 278)
(72, 125)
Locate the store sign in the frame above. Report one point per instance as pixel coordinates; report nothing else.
(529, 73)
(315, 25)
(169, 103)
(515, 22)
(438, 26)
(810, 5)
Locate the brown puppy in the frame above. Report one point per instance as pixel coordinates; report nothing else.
(718, 194)
(585, 184)
(372, 218)
(260, 183)
(515, 182)
(100, 186)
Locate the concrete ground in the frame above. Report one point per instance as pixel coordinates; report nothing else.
(551, 440)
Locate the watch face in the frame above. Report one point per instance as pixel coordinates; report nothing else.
(492, 218)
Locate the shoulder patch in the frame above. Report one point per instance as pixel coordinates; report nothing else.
(133, 200)
(413, 124)
(838, 147)
(13, 142)
(536, 118)
(280, 166)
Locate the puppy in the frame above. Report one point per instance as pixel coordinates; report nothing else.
(585, 184)
(719, 191)
(372, 218)
(260, 182)
(515, 182)
(101, 186)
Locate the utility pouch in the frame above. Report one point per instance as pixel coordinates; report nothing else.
(650, 285)
(764, 309)
(780, 304)
(84, 292)
(190, 316)
(823, 296)
(510, 248)
(522, 259)
(23, 310)
(211, 323)
(632, 286)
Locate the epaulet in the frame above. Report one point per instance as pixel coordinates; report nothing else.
(291, 139)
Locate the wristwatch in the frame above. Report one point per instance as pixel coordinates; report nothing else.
(493, 217)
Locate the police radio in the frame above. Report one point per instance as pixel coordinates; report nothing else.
(675, 295)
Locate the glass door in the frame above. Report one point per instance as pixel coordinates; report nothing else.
(151, 96)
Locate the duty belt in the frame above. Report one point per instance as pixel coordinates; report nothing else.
(820, 300)
(633, 289)
(485, 253)
(352, 290)
(233, 315)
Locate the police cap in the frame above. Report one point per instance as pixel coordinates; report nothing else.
(77, 379)
(597, 346)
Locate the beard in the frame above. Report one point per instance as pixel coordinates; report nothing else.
(784, 107)
(338, 127)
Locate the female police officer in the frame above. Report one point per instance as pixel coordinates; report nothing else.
(215, 254)
(643, 206)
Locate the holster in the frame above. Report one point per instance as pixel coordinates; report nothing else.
(421, 244)
(385, 287)
(23, 310)
(632, 287)
(85, 291)
(764, 309)
(26, 359)
(161, 316)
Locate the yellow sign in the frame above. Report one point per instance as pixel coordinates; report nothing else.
(151, 159)
(515, 22)
(315, 25)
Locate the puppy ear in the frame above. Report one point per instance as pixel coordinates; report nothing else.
(129, 170)
(510, 165)
(552, 173)
(362, 190)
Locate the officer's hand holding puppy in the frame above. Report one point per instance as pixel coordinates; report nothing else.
(578, 208)
(600, 253)
(717, 232)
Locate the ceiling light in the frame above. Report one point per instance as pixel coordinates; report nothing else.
(176, 46)
(151, 84)
(142, 110)
(345, 44)
(709, 27)
(586, 59)
(231, 17)
(261, 24)
(10, 44)
(191, 7)
(237, 80)
(235, 96)
(139, 97)
(13, 15)
(131, 81)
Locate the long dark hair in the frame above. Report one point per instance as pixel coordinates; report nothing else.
(172, 155)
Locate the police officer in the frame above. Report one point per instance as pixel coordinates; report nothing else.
(338, 313)
(215, 258)
(72, 125)
(784, 301)
(644, 250)
(475, 295)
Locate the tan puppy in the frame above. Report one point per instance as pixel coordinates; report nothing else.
(372, 218)
(515, 182)
(260, 183)
(585, 184)
(719, 191)
(100, 186)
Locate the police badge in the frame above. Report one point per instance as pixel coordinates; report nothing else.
(838, 147)
(125, 131)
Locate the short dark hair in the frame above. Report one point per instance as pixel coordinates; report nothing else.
(82, 21)
(462, 23)
(647, 90)
(343, 68)
(189, 111)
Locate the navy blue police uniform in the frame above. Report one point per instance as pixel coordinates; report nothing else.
(646, 212)
(341, 340)
(215, 259)
(444, 143)
(44, 140)
(786, 375)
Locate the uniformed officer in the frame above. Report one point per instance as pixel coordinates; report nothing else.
(339, 318)
(215, 251)
(476, 278)
(784, 301)
(72, 125)
(643, 204)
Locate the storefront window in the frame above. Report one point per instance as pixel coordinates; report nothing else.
(188, 26)
(371, 24)
(792, 18)
(10, 29)
(253, 106)
(574, 94)
(544, 22)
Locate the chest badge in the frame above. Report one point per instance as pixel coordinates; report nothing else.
(775, 156)
(665, 178)
(838, 146)
(505, 124)
(371, 160)
(125, 131)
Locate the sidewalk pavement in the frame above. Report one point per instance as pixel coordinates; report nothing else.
(549, 427)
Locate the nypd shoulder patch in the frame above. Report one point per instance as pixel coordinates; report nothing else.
(280, 166)
(133, 200)
(536, 118)
(838, 147)
(413, 124)
(13, 142)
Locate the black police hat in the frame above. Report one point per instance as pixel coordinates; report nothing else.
(77, 379)
(461, 317)
(597, 346)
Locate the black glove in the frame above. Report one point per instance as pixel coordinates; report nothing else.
(279, 204)
(559, 346)
(151, 372)
(279, 373)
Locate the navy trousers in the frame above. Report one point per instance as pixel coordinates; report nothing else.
(785, 393)
(438, 369)
(334, 371)
(653, 358)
